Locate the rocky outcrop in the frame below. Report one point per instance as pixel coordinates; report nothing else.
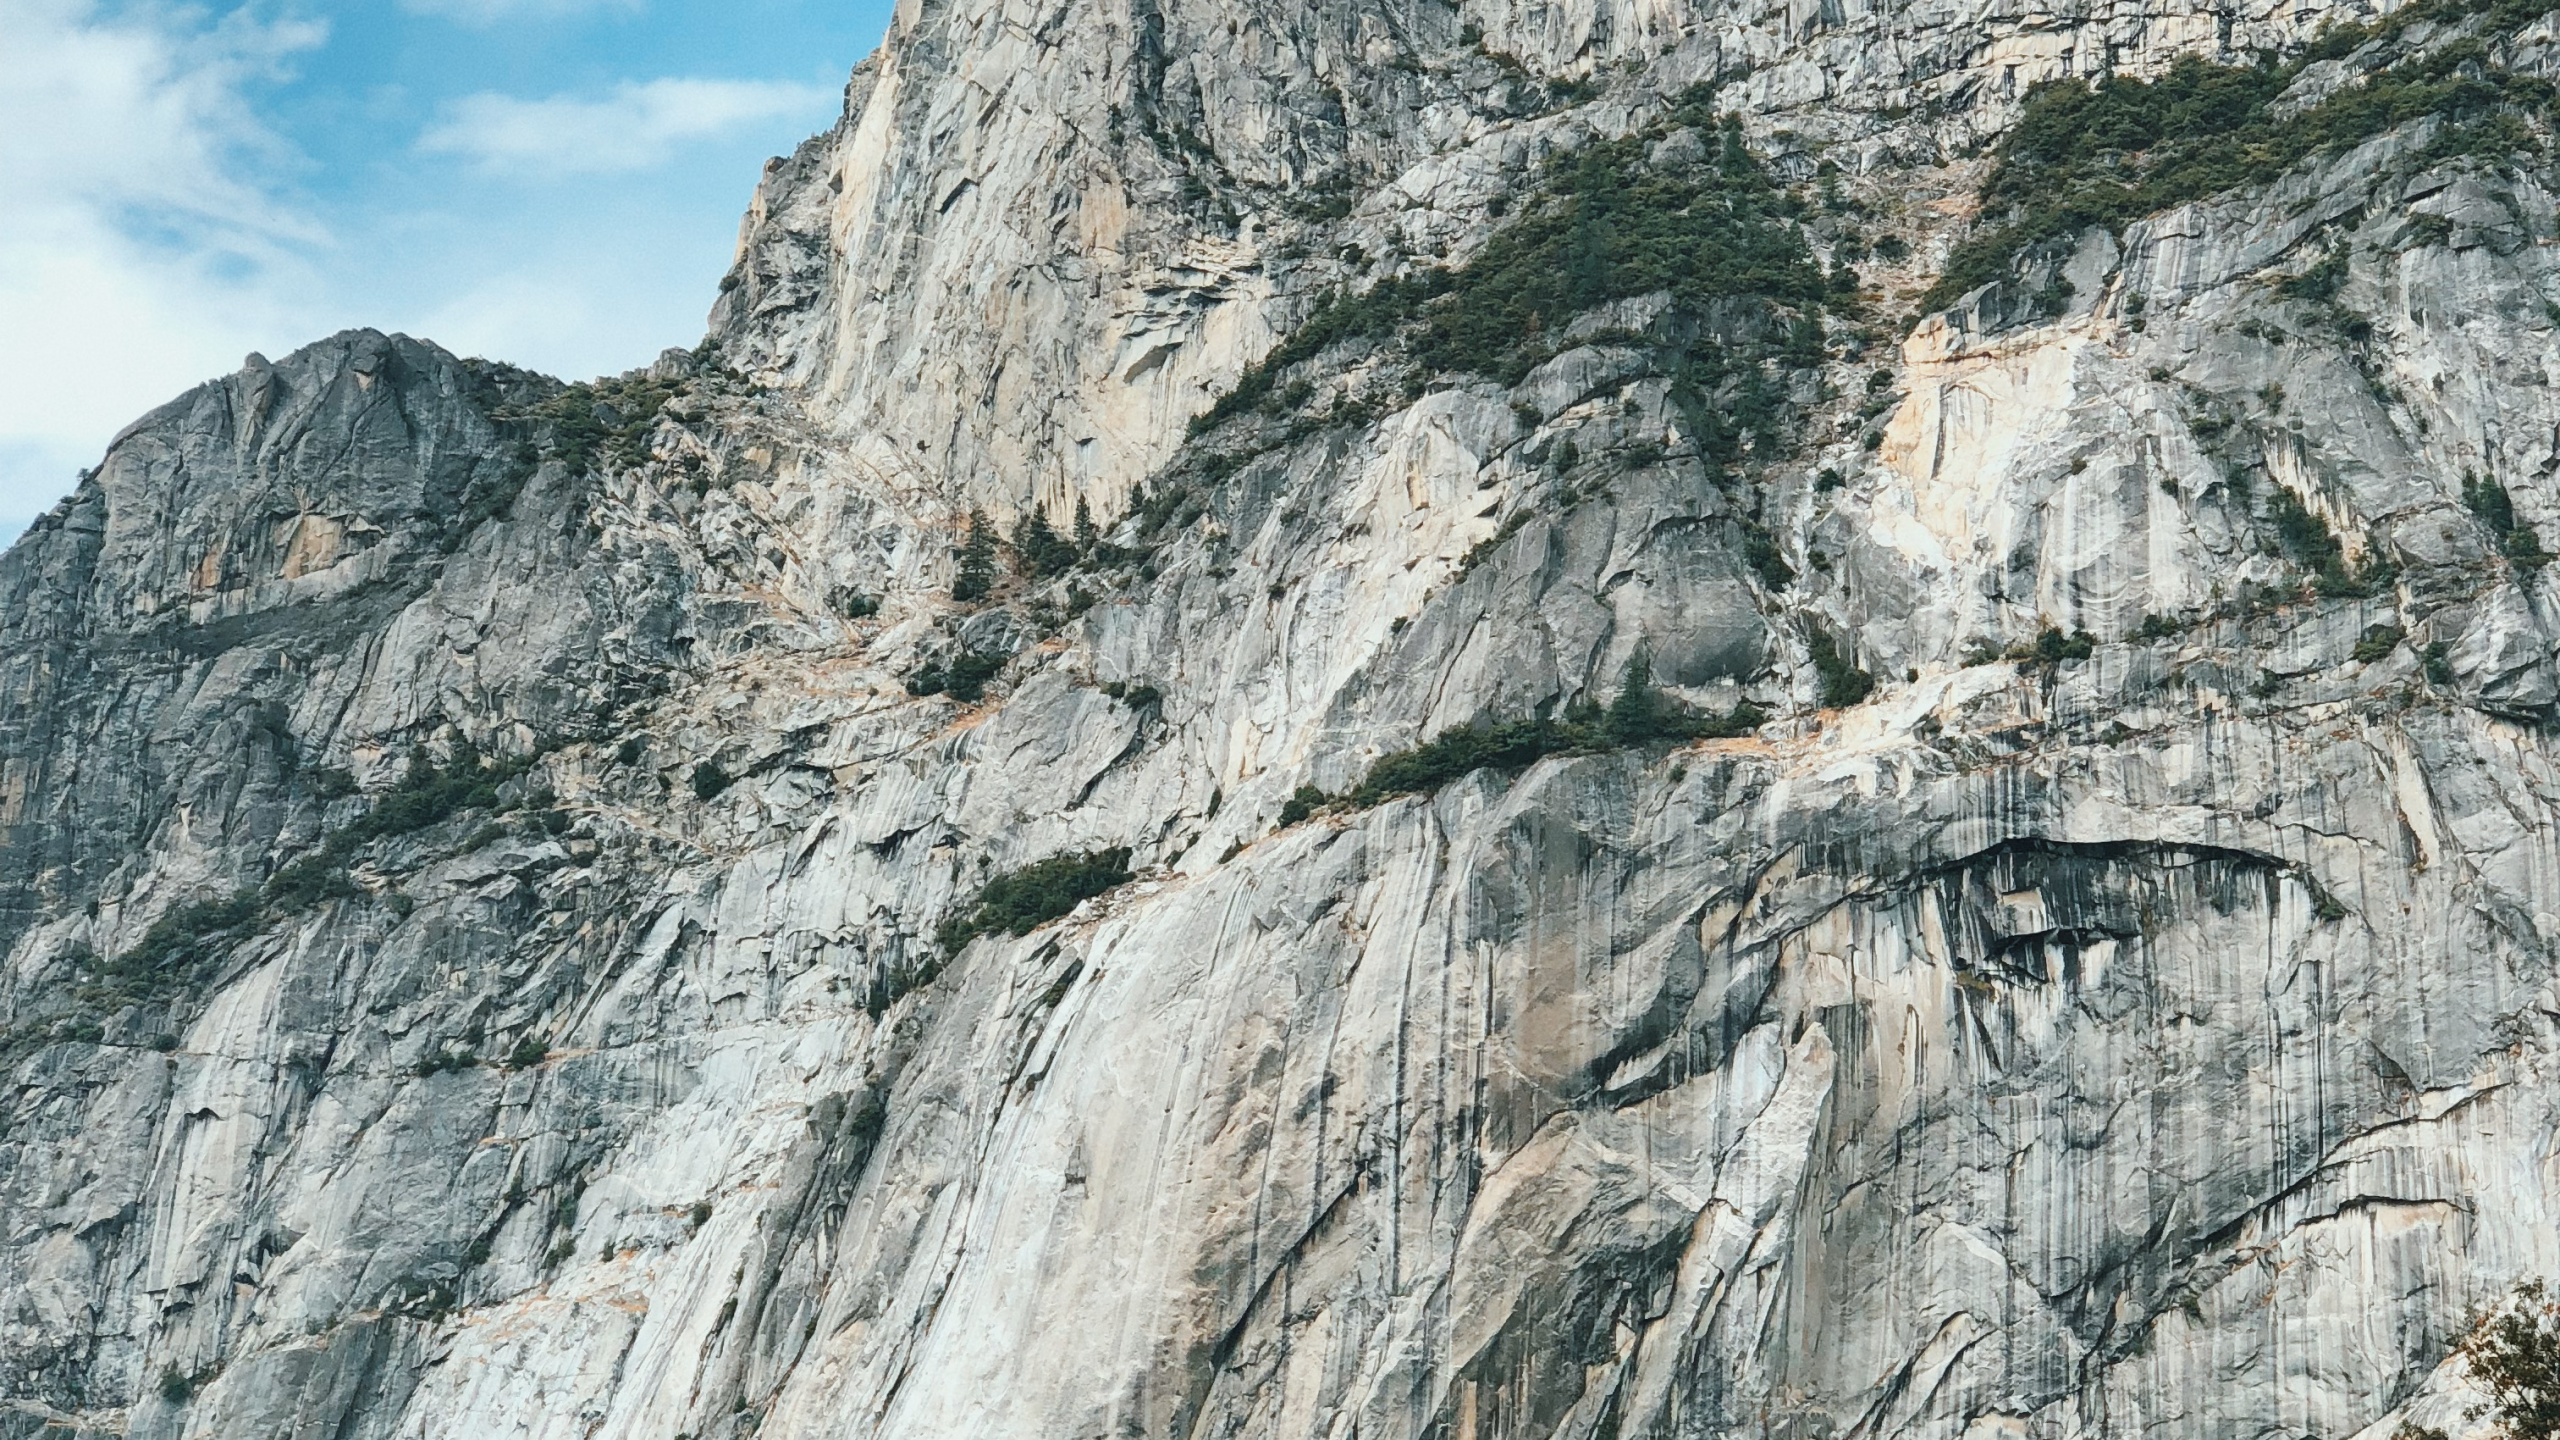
(474, 848)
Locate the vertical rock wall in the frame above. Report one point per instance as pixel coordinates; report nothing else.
(2147, 1035)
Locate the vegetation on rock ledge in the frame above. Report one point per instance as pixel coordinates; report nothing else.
(1022, 901)
(1615, 220)
(2513, 1355)
(182, 950)
(1640, 715)
(2111, 152)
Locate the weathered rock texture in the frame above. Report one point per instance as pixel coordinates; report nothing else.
(2157, 1040)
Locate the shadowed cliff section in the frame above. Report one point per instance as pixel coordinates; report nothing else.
(260, 526)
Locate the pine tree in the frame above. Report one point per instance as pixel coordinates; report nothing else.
(1085, 533)
(1636, 715)
(1042, 550)
(977, 573)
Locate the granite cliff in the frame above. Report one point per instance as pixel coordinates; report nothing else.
(1695, 719)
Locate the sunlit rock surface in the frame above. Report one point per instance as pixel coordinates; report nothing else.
(2157, 1040)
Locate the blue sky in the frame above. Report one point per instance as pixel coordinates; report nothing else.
(552, 182)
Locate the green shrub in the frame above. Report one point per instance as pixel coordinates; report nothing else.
(2307, 539)
(2054, 647)
(2107, 153)
(2377, 643)
(2322, 281)
(312, 880)
(1843, 683)
(528, 1052)
(1615, 227)
(1482, 550)
(964, 678)
(1454, 754)
(1024, 900)
(1605, 223)
(429, 795)
(1760, 551)
(185, 938)
(2051, 647)
(2512, 1354)
(2489, 500)
(607, 420)
(1638, 715)
(419, 1297)
(709, 780)
(2497, 510)
(2305, 536)
(439, 1061)
(1302, 805)
(969, 673)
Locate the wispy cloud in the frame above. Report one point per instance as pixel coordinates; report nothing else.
(145, 226)
(640, 125)
(155, 223)
(491, 12)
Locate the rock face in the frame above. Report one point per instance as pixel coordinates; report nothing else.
(472, 851)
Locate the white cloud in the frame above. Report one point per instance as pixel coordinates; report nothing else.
(143, 231)
(635, 129)
(153, 227)
(490, 12)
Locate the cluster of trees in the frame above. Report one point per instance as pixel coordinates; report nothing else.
(2516, 540)
(2117, 150)
(963, 677)
(1608, 222)
(1843, 683)
(1022, 901)
(608, 421)
(1039, 551)
(1639, 715)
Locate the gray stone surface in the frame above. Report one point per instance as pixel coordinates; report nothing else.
(2159, 1043)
